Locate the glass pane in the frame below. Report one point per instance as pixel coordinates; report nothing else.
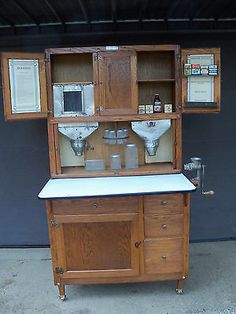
(73, 101)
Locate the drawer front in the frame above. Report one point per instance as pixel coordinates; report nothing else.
(163, 256)
(164, 204)
(164, 226)
(96, 205)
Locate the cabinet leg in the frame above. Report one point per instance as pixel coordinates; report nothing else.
(180, 286)
(61, 288)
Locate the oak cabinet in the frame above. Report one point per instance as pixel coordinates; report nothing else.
(105, 239)
(121, 80)
(121, 238)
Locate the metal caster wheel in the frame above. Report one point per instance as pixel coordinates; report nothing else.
(62, 297)
(179, 291)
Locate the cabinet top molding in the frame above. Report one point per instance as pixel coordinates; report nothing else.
(104, 48)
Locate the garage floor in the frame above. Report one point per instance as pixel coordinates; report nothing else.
(26, 287)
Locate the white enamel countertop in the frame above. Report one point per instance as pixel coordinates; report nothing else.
(105, 186)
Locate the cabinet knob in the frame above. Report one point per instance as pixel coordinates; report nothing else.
(164, 226)
(164, 258)
(137, 244)
(94, 205)
(164, 203)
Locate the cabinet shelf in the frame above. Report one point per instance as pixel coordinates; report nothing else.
(156, 80)
(134, 117)
(161, 168)
(73, 82)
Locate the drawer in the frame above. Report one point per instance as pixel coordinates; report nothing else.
(164, 204)
(163, 256)
(96, 205)
(164, 226)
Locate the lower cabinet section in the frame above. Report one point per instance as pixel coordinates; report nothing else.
(119, 239)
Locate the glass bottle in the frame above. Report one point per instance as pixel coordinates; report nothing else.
(157, 106)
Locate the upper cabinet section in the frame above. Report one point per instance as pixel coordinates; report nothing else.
(201, 80)
(114, 83)
(24, 86)
(111, 83)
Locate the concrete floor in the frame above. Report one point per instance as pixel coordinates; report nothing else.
(26, 287)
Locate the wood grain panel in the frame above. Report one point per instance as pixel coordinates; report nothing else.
(117, 76)
(147, 91)
(186, 232)
(147, 169)
(97, 246)
(95, 205)
(68, 279)
(163, 204)
(61, 219)
(164, 226)
(155, 65)
(117, 118)
(163, 255)
(68, 68)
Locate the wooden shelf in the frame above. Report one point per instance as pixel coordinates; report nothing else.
(135, 117)
(77, 82)
(156, 80)
(160, 168)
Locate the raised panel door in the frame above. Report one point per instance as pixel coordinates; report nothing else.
(117, 83)
(97, 245)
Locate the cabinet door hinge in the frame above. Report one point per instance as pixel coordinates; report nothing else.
(99, 109)
(54, 223)
(46, 59)
(178, 56)
(59, 270)
(97, 57)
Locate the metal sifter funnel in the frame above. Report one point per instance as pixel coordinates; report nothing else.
(150, 132)
(77, 133)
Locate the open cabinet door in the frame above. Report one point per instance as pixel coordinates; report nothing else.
(200, 80)
(24, 86)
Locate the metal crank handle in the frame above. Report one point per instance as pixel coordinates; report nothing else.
(208, 193)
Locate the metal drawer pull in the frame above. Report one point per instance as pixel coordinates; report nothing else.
(164, 203)
(164, 226)
(94, 205)
(164, 258)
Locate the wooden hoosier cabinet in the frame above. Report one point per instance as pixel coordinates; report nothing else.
(117, 202)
